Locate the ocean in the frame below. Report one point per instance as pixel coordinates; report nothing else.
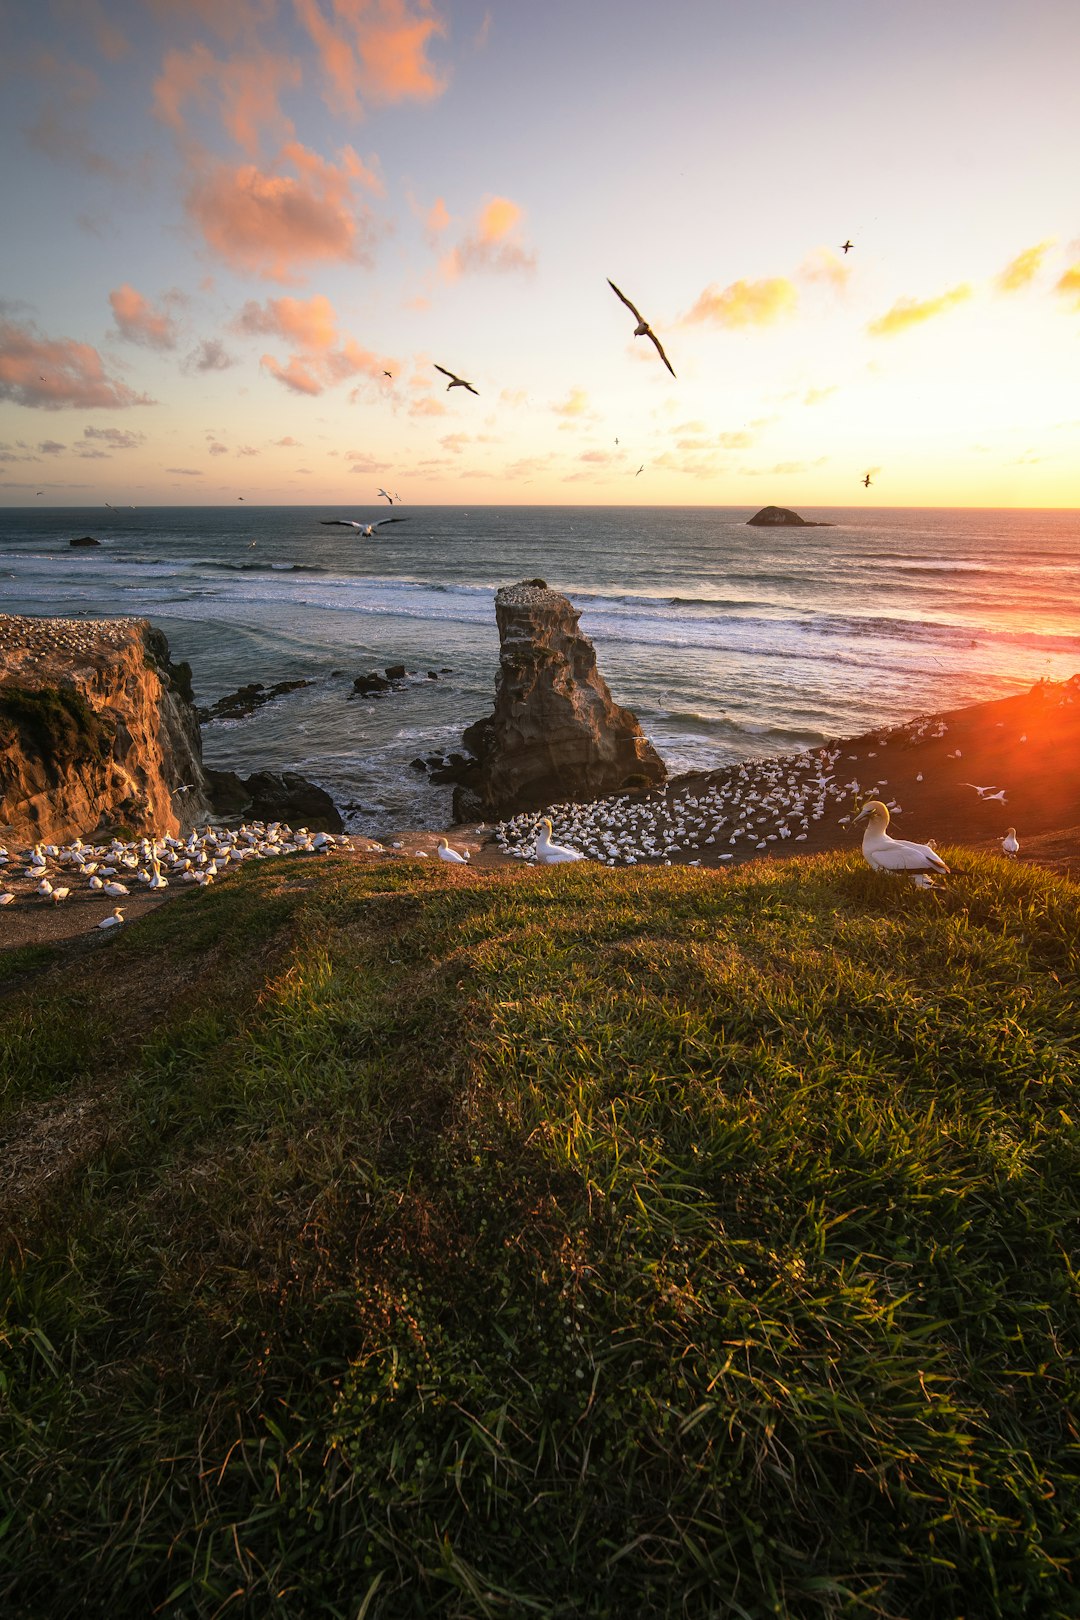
(727, 641)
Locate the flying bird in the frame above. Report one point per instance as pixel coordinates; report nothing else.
(640, 470)
(642, 329)
(367, 530)
(846, 247)
(455, 382)
(866, 481)
(389, 374)
(388, 496)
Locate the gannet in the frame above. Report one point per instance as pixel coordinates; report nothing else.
(642, 329)
(1009, 843)
(455, 382)
(367, 530)
(452, 855)
(846, 247)
(887, 854)
(866, 481)
(111, 922)
(550, 853)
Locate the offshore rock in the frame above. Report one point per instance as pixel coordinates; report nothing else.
(556, 732)
(782, 517)
(97, 730)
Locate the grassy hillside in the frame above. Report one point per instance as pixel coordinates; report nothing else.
(392, 1240)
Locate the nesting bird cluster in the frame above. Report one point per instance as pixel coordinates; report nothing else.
(49, 873)
(739, 812)
(27, 638)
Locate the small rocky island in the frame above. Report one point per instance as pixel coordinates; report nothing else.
(556, 732)
(782, 517)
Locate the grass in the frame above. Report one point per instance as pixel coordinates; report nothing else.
(565, 1243)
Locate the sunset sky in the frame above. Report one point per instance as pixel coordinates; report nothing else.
(225, 220)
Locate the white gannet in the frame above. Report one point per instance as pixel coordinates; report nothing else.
(887, 854)
(366, 530)
(455, 382)
(113, 921)
(642, 329)
(115, 888)
(452, 855)
(1009, 843)
(550, 853)
(7, 898)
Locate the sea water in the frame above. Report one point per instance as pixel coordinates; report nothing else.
(725, 640)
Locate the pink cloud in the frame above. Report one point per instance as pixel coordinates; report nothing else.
(378, 47)
(228, 18)
(211, 355)
(245, 91)
(824, 266)
(492, 243)
(138, 321)
(272, 224)
(55, 373)
(311, 326)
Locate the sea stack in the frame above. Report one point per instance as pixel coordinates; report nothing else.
(97, 729)
(782, 517)
(556, 732)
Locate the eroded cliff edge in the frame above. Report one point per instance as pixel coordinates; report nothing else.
(556, 732)
(97, 729)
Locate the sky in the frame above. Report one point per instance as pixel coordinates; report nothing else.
(239, 236)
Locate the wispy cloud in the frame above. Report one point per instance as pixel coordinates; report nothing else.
(115, 438)
(211, 355)
(53, 374)
(244, 91)
(493, 242)
(912, 311)
(745, 303)
(823, 265)
(1024, 268)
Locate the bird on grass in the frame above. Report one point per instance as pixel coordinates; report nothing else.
(1009, 843)
(642, 329)
(455, 857)
(548, 853)
(366, 530)
(455, 382)
(887, 854)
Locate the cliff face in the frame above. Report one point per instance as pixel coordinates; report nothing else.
(556, 732)
(96, 728)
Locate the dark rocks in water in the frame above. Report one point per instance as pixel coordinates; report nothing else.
(85, 540)
(372, 685)
(288, 796)
(228, 792)
(246, 699)
(432, 675)
(395, 672)
(418, 765)
(781, 517)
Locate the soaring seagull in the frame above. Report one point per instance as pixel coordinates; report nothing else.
(367, 530)
(642, 329)
(846, 246)
(455, 382)
(866, 481)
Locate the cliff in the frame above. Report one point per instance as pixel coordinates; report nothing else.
(97, 728)
(556, 732)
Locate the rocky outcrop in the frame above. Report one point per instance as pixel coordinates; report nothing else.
(284, 796)
(782, 517)
(556, 732)
(97, 730)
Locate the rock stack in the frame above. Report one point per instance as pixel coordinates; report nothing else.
(556, 732)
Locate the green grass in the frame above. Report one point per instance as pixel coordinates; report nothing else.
(565, 1243)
